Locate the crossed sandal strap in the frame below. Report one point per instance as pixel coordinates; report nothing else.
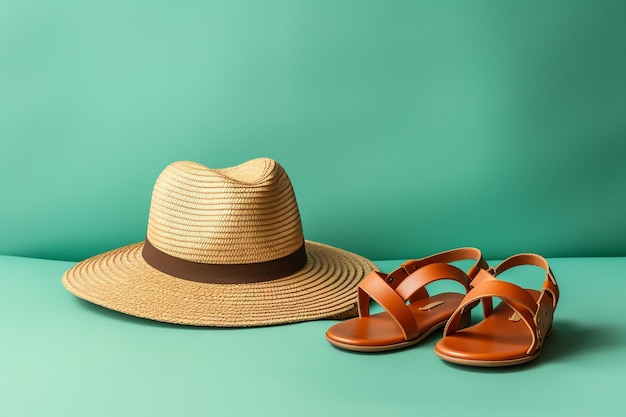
(395, 278)
(549, 285)
(394, 300)
(517, 298)
(375, 287)
(537, 315)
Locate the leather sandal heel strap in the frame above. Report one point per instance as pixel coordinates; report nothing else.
(549, 285)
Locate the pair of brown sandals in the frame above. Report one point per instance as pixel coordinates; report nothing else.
(511, 333)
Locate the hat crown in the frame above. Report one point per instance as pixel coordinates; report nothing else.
(243, 214)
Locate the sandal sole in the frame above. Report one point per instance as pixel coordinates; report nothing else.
(487, 364)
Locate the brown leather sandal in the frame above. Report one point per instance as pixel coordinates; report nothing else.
(411, 313)
(511, 333)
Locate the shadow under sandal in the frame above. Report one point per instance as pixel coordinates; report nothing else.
(511, 333)
(411, 313)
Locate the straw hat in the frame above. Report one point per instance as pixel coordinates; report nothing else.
(224, 247)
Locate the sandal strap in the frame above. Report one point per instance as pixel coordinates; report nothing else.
(549, 285)
(396, 277)
(516, 297)
(541, 311)
(375, 287)
(407, 283)
(453, 255)
(417, 280)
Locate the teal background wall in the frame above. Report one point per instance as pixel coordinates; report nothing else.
(407, 127)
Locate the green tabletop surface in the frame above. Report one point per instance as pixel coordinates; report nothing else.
(61, 356)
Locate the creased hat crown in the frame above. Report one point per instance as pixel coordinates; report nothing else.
(238, 215)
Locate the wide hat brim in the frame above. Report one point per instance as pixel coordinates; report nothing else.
(121, 280)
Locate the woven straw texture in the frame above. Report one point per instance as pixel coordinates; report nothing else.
(239, 215)
(243, 214)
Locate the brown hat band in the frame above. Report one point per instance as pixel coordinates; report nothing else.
(224, 273)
